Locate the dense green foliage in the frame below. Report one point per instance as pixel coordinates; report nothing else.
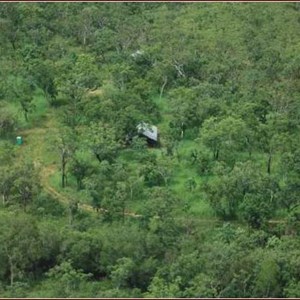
(89, 210)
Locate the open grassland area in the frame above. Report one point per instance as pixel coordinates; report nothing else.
(149, 150)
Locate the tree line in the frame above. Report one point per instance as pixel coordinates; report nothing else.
(220, 80)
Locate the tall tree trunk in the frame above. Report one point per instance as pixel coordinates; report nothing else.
(84, 39)
(26, 115)
(250, 153)
(63, 170)
(182, 129)
(163, 87)
(269, 163)
(63, 180)
(98, 157)
(70, 217)
(11, 270)
(216, 154)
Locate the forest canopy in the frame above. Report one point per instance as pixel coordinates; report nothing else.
(92, 207)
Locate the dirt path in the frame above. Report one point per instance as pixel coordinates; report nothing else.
(35, 146)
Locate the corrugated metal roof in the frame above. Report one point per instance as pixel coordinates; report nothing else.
(150, 131)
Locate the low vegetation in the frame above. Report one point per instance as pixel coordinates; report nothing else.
(89, 209)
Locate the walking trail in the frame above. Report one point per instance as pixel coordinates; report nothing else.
(36, 146)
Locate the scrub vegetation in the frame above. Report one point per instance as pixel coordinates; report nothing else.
(90, 209)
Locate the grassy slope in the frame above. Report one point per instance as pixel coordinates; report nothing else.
(184, 170)
(40, 131)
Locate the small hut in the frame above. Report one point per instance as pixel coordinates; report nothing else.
(150, 132)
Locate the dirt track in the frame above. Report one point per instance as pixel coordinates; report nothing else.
(35, 143)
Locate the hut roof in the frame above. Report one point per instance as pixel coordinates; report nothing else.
(149, 131)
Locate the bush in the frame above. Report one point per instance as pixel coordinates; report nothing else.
(7, 123)
(45, 205)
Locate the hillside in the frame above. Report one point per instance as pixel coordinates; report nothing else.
(92, 208)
